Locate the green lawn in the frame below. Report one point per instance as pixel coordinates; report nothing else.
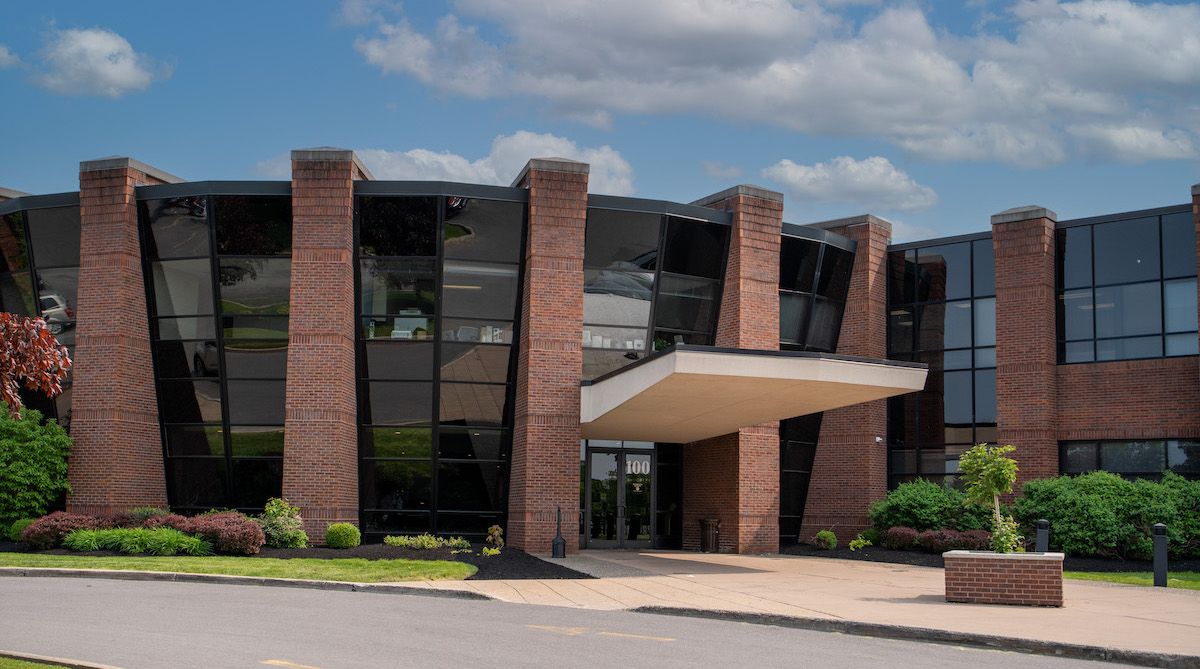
(1189, 580)
(10, 663)
(348, 569)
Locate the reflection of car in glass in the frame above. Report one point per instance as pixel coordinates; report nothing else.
(204, 359)
(617, 279)
(57, 313)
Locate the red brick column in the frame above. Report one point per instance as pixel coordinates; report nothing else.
(545, 454)
(850, 468)
(117, 461)
(735, 477)
(1026, 348)
(320, 455)
(1196, 218)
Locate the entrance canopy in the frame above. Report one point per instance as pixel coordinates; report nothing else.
(688, 393)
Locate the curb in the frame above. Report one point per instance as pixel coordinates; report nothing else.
(903, 633)
(223, 579)
(54, 661)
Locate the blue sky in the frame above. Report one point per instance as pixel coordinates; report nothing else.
(933, 115)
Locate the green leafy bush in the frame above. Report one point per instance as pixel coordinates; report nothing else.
(860, 542)
(33, 465)
(488, 551)
(871, 535)
(924, 505)
(137, 541)
(18, 526)
(495, 537)
(342, 535)
(825, 540)
(281, 524)
(424, 542)
(1006, 536)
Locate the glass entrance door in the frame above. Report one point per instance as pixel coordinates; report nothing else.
(619, 504)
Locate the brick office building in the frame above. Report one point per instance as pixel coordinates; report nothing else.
(426, 356)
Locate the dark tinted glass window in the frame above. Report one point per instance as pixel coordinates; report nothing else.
(198, 483)
(694, 247)
(835, 273)
(397, 442)
(797, 263)
(900, 329)
(598, 362)
(1179, 305)
(1075, 313)
(1183, 457)
(190, 401)
(957, 402)
(944, 272)
(195, 440)
(945, 325)
(984, 267)
(1178, 245)
(58, 291)
(470, 444)
(256, 402)
(1074, 257)
(178, 227)
(186, 328)
(1129, 349)
(397, 287)
(254, 327)
(55, 236)
(1079, 458)
(902, 276)
(479, 290)
(478, 363)
(399, 359)
(397, 226)
(1128, 310)
(1133, 456)
(13, 252)
(1126, 251)
(255, 286)
(253, 225)
(247, 359)
(182, 287)
(483, 229)
(826, 321)
(254, 441)
(397, 403)
(617, 298)
(985, 396)
(685, 303)
(468, 486)
(793, 316)
(396, 484)
(182, 359)
(622, 240)
(256, 481)
(473, 404)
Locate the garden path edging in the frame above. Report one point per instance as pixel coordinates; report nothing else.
(54, 661)
(931, 635)
(224, 579)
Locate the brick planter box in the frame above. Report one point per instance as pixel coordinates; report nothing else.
(983, 577)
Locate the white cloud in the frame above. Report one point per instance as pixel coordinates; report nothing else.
(803, 65)
(872, 183)
(7, 58)
(610, 173)
(94, 61)
(908, 232)
(719, 170)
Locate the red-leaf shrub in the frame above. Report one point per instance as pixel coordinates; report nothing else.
(229, 532)
(940, 541)
(976, 540)
(122, 519)
(900, 538)
(173, 521)
(29, 356)
(48, 531)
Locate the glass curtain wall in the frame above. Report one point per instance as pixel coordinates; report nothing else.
(814, 278)
(1142, 459)
(942, 312)
(218, 270)
(1127, 289)
(439, 280)
(39, 250)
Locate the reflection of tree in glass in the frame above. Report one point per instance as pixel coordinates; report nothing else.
(12, 241)
(398, 226)
(253, 225)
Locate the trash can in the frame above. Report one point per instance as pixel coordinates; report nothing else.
(710, 535)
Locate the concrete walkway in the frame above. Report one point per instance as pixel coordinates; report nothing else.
(1132, 618)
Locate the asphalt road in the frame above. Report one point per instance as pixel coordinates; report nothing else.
(160, 624)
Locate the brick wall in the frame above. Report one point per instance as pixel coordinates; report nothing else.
(1026, 350)
(1016, 578)
(320, 464)
(850, 469)
(735, 477)
(117, 461)
(1128, 399)
(544, 473)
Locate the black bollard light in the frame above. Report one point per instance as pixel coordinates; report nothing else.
(1160, 555)
(1042, 543)
(558, 547)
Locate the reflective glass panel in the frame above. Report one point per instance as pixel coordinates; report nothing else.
(1078, 351)
(471, 444)
(399, 359)
(944, 272)
(945, 325)
(483, 229)
(793, 316)
(1183, 457)
(625, 339)
(395, 484)
(403, 286)
(477, 290)
(256, 481)
(178, 227)
(246, 359)
(58, 291)
(55, 236)
(255, 327)
(183, 359)
(187, 328)
(1074, 257)
(256, 402)
(198, 483)
(985, 396)
(256, 441)
(395, 521)
(397, 403)
(985, 322)
(182, 287)
(1182, 344)
(1079, 458)
(1179, 305)
(957, 398)
(483, 332)
(598, 362)
(259, 286)
(798, 263)
(621, 240)
(253, 225)
(985, 357)
(617, 298)
(1075, 314)
(397, 442)
(836, 266)
(14, 254)
(826, 320)
(983, 268)
(404, 327)
(478, 363)
(1126, 251)
(1129, 310)
(696, 248)
(397, 226)
(469, 486)
(685, 303)
(1133, 456)
(473, 404)
(1129, 349)
(901, 276)
(195, 440)
(190, 401)
(1178, 243)
(900, 329)
(16, 294)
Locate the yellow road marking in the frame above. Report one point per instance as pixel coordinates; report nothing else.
(635, 636)
(289, 665)
(567, 631)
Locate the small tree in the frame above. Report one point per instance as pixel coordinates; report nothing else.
(29, 354)
(989, 473)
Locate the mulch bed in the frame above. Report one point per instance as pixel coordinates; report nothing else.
(509, 564)
(920, 559)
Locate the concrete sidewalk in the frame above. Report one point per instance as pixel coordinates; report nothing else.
(1130, 618)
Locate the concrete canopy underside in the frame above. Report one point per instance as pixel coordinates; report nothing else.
(690, 393)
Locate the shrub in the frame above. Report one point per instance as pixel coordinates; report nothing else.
(33, 473)
(48, 531)
(940, 541)
(924, 505)
(135, 541)
(172, 520)
(422, 542)
(825, 540)
(490, 552)
(899, 538)
(342, 535)
(860, 542)
(18, 526)
(871, 535)
(495, 537)
(1006, 536)
(281, 524)
(229, 532)
(144, 513)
